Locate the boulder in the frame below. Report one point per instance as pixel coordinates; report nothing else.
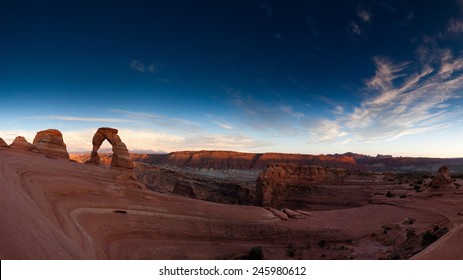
(20, 143)
(442, 177)
(120, 157)
(293, 214)
(50, 142)
(278, 214)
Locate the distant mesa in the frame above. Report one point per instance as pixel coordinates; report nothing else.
(120, 157)
(50, 142)
(442, 177)
(20, 143)
(3, 144)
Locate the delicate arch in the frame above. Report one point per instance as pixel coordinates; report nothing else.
(120, 158)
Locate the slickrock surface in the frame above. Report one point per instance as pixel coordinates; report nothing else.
(50, 142)
(58, 209)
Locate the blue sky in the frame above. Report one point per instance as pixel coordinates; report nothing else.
(284, 76)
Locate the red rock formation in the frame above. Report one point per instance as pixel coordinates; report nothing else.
(3, 144)
(272, 184)
(20, 143)
(235, 160)
(305, 187)
(50, 142)
(442, 177)
(120, 157)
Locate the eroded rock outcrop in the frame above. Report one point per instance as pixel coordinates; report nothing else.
(442, 177)
(20, 143)
(272, 184)
(50, 142)
(305, 187)
(3, 144)
(120, 157)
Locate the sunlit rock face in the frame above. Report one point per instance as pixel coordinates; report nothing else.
(50, 142)
(120, 158)
(20, 143)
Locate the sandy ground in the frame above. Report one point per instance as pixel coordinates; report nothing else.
(59, 209)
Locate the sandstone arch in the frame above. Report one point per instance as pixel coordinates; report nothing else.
(120, 156)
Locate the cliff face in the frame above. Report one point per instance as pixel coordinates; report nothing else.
(237, 160)
(305, 187)
(226, 160)
(169, 181)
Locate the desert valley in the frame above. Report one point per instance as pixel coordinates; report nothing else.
(223, 204)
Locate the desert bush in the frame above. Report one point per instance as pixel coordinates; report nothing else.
(389, 194)
(256, 253)
(428, 238)
(322, 243)
(291, 251)
(410, 233)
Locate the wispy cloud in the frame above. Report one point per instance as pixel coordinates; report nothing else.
(223, 125)
(80, 119)
(140, 67)
(326, 130)
(354, 28)
(400, 102)
(263, 116)
(267, 8)
(291, 112)
(364, 15)
(455, 26)
(158, 120)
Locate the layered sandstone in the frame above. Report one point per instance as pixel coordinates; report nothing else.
(120, 157)
(20, 143)
(236, 160)
(50, 142)
(305, 187)
(272, 184)
(193, 186)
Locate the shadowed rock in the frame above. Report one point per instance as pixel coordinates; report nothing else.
(272, 184)
(305, 187)
(3, 144)
(120, 156)
(50, 142)
(442, 177)
(20, 143)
